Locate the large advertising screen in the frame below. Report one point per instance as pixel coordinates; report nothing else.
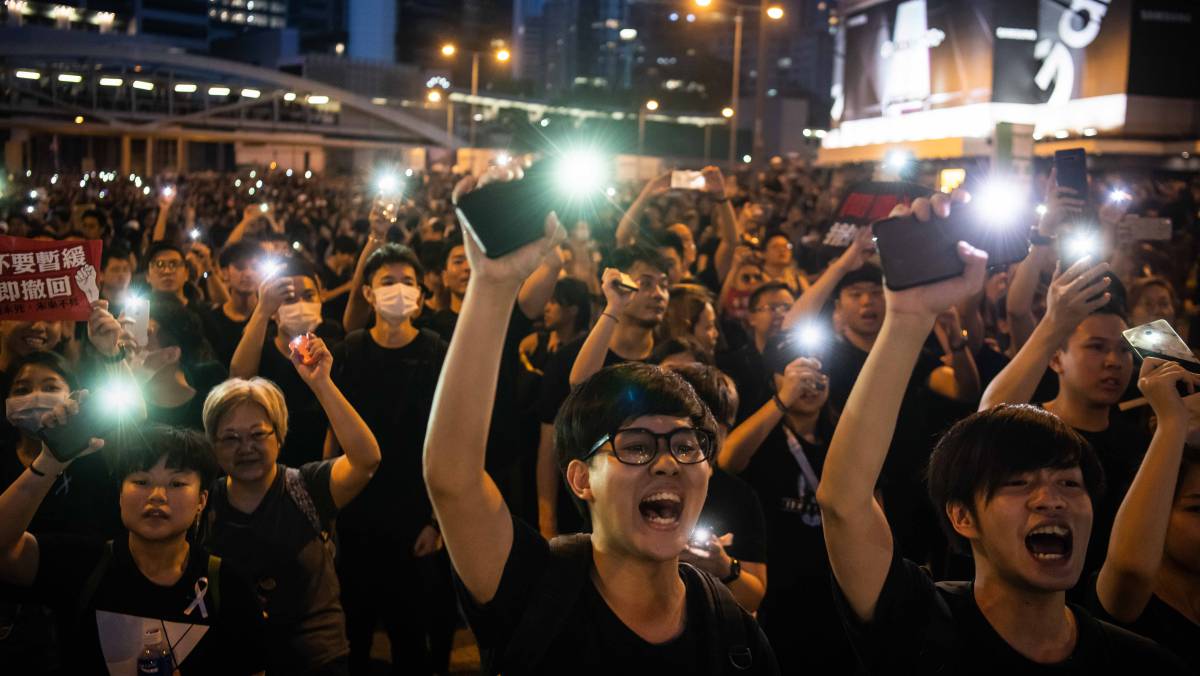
(903, 56)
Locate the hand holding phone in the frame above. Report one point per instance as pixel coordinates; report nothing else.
(77, 426)
(1158, 340)
(302, 349)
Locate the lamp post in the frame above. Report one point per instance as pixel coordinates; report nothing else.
(501, 54)
(767, 11)
(651, 106)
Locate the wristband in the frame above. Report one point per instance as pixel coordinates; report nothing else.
(1038, 239)
(959, 346)
(36, 471)
(610, 316)
(779, 404)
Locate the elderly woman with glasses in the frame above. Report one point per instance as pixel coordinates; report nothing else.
(274, 521)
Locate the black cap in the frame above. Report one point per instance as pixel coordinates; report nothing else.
(869, 272)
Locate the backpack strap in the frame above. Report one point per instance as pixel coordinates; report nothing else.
(552, 600)
(214, 582)
(293, 484)
(729, 651)
(93, 581)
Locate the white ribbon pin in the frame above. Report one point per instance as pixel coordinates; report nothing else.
(201, 589)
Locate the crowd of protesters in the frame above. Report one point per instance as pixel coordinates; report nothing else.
(352, 420)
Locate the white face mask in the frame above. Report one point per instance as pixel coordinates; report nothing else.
(297, 319)
(26, 411)
(397, 302)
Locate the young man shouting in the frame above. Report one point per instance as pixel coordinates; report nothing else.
(1014, 483)
(635, 441)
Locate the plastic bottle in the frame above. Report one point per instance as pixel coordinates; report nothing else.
(156, 656)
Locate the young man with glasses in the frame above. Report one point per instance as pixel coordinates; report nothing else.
(634, 441)
(166, 270)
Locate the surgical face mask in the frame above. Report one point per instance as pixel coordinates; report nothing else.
(26, 411)
(397, 302)
(297, 319)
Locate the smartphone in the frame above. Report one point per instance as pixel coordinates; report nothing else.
(1158, 339)
(95, 419)
(687, 180)
(1144, 229)
(137, 310)
(628, 283)
(505, 216)
(1071, 168)
(699, 541)
(915, 253)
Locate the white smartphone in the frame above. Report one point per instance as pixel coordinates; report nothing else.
(687, 180)
(1144, 229)
(137, 309)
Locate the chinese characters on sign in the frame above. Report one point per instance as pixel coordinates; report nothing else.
(47, 280)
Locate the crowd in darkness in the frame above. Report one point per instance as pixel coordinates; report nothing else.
(353, 421)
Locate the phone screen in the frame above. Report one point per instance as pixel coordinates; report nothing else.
(687, 180)
(1158, 339)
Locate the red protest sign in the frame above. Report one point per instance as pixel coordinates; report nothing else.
(48, 280)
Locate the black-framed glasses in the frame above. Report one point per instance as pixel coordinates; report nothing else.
(639, 446)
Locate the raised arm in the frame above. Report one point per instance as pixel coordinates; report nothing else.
(164, 210)
(473, 517)
(360, 452)
(627, 229)
(358, 310)
(744, 440)
(857, 536)
(1073, 295)
(1139, 533)
(959, 380)
(249, 215)
(537, 290)
(549, 480)
(724, 218)
(810, 303)
(1062, 205)
(20, 501)
(591, 356)
(248, 355)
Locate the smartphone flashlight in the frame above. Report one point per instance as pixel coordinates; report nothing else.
(701, 536)
(168, 191)
(1119, 195)
(502, 159)
(119, 396)
(269, 267)
(996, 201)
(388, 184)
(263, 207)
(811, 337)
(194, 233)
(1041, 209)
(297, 246)
(580, 173)
(1082, 244)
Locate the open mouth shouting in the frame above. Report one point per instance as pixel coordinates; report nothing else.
(662, 509)
(1050, 543)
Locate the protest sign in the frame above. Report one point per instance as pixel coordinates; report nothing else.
(48, 281)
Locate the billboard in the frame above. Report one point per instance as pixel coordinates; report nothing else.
(904, 56)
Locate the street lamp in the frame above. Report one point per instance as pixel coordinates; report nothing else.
(502, 55)
(774, 13)
(651, 106)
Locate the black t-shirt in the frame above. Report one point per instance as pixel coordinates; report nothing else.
(228, 641)
(441, 322)
(222, 332)
(733, 507)
(1158, 622)
(1120, 449)
(203, 378)
(754, 385)
(592, 640)
(556, 384)
(307, 422)
(392, 389)
(84, 500)
(289, 564)
(922, 628)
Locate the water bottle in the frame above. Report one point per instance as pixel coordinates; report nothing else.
(156, 656)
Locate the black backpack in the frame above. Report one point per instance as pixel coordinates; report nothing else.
(562, 583)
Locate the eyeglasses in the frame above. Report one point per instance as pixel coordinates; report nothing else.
(751, 279)
(232, 442)
(775, 308)
(167, 265)
(638, 446)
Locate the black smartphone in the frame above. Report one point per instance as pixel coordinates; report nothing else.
(505, 216)
(1071, 167)
(915, 253)
(95, 419)
(1158, 339)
